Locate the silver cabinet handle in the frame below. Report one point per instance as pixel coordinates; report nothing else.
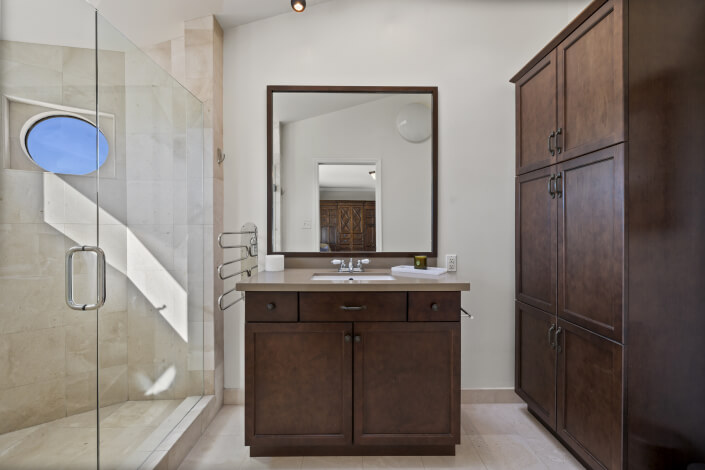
(558, 341)
(550, 149)
(100, 301)
(559, 185)
(559, 149)
(354, 309)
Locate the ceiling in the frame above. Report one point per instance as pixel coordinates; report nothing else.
(147, 22)
(290, 107)
(346, 176)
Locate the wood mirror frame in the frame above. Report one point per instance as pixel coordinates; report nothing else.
(433, 91)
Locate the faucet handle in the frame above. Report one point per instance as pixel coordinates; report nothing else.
(337, 261)
(364, 261)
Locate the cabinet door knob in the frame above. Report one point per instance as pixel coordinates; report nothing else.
(348, 338)
(271, 306)
(358, 338)
(434, 307)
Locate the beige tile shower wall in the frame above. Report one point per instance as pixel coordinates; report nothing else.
(165, 228)
(196, 60)
(47, 351)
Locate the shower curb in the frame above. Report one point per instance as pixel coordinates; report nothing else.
(171, 451)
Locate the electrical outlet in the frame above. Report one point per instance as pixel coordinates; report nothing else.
(451, 263)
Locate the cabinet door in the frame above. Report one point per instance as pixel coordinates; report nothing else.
(536, 116)
(536, 240)
(350, 226)
(299, 384)
(591, 241)
(591, 84)
(407, 383)
(535, 364)
(590, 395)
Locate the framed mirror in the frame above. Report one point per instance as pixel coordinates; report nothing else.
(352, 171)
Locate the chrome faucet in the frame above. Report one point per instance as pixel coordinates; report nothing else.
(350, 268)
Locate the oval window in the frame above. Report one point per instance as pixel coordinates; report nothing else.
(65, 144)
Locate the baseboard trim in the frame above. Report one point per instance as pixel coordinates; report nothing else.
(233, 396)
(236, 396)
(489, 395)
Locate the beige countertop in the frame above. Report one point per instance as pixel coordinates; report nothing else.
(299, 280)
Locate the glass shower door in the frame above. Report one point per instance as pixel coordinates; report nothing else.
(50, 275)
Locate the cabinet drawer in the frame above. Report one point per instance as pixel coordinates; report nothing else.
(434, 306)
(271, 306)
(353, 306)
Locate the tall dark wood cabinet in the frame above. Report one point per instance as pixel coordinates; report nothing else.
(610, 234)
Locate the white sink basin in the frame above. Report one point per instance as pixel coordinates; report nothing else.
(351, 277)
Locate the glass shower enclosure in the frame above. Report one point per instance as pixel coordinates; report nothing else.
(101, 242)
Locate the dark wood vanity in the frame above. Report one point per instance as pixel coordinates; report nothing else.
(359, 368)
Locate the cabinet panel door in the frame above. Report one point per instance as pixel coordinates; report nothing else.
(536, 115)
(591, 241)
(590, 395)
(535, 241)
(407, 383)
(591, 84)
(299, 384)
(535, 367)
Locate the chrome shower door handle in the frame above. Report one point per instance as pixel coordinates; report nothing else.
(100, 300)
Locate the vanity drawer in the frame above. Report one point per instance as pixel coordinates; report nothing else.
(352, 306)
(271, 306)
(434, 306)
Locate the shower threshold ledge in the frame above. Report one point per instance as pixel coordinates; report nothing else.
(144, 434)
(171, 442)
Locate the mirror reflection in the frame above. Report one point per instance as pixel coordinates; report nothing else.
(351, 172)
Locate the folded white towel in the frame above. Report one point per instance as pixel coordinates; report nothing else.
(410, 270)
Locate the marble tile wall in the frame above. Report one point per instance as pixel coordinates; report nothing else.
(196, 61)
(152, 227)
(47, 351)
(165, 206)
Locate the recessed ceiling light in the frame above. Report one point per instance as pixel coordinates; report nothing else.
(298, 5)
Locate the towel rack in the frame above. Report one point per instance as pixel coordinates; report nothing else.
(248, 251)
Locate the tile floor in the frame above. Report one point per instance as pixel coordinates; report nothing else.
(495, 437)
(69, 443)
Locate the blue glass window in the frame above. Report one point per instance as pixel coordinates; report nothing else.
(65, 144)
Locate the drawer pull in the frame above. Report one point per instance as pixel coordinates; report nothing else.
(271, 306)
(434, 307)
(348, 338)
(358, 338)
(353, 309)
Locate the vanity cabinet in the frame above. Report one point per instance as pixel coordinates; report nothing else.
(572, 101)
(349, 375)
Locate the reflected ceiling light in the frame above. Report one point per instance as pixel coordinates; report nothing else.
(373, 174)
(414, 122)
(298, 5)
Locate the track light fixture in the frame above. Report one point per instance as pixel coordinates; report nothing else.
(298, 5)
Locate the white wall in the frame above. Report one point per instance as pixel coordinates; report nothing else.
(469, 49)
(366, 132)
